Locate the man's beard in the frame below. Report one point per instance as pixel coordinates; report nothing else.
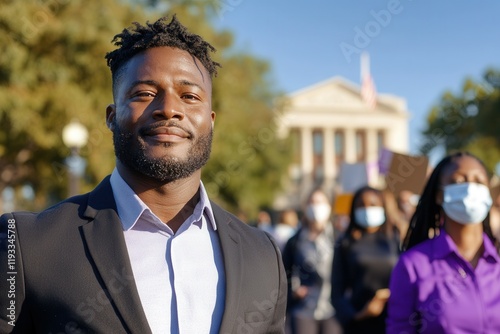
(132, 153)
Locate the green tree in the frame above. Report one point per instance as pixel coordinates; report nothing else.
(468, 120)
(53, 70)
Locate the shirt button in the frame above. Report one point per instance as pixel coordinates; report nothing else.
(462, 272)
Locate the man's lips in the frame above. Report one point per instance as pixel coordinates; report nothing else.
(167, 134)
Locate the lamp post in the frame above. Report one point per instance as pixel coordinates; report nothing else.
(75, 136)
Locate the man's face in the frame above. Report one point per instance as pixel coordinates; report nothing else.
(162, 118)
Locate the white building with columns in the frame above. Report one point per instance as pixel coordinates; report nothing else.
(330, 124)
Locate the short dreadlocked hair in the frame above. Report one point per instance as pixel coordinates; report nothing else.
(139, 38)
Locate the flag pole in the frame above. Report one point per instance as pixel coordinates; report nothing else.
(368, 91)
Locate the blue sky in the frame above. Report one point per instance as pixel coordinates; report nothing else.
(418, 48)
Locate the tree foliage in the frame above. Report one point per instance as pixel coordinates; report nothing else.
(53, 70)
(468, 120)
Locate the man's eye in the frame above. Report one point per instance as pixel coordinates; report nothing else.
(190, 97)
(139, 95)
(145, 94)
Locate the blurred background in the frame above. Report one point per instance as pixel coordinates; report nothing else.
(310, 94)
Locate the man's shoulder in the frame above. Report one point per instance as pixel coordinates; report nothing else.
(10, 221)
(68, 210)
(69, 206)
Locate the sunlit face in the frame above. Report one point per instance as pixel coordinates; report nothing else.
(162, 118)
(463, 169)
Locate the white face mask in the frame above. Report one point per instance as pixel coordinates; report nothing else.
(319, 213)
(467, 203)
(371, 216)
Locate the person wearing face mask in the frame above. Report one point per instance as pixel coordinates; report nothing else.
(307, 258)
(362, 265)
(447, 279)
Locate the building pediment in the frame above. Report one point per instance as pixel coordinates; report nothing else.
(340, 94)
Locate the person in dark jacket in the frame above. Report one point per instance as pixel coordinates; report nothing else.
(362, 265)
(307, 258)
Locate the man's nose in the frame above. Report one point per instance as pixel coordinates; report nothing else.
(167, 108)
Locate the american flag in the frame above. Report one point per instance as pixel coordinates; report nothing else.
(368, 91)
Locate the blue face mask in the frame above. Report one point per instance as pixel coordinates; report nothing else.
(467, 203)
(371, 216)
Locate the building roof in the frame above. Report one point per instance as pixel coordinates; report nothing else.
(338, 93)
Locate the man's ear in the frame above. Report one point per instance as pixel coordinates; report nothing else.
(213, 119)
(110, 116)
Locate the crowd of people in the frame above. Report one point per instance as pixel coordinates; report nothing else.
(405, 263)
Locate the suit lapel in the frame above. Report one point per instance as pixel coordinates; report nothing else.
(232, 254)
(106, 245)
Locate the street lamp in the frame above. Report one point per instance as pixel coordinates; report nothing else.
(75, 136)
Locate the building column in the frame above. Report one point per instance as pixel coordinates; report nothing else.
(329, 154)
(306, 151)
(371, 145)
(350, 145)
(372, 157)
(306, 163)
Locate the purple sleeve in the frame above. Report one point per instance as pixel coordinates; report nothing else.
(402, 316)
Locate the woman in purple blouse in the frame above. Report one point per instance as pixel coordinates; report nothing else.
(448, 279)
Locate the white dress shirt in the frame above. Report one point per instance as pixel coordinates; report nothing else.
(180, 277)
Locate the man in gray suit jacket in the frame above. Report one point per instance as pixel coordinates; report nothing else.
(146, 251)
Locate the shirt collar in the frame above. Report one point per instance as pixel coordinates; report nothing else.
(489, 249)
(204, 207)
(445, 245)
(130, 207)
